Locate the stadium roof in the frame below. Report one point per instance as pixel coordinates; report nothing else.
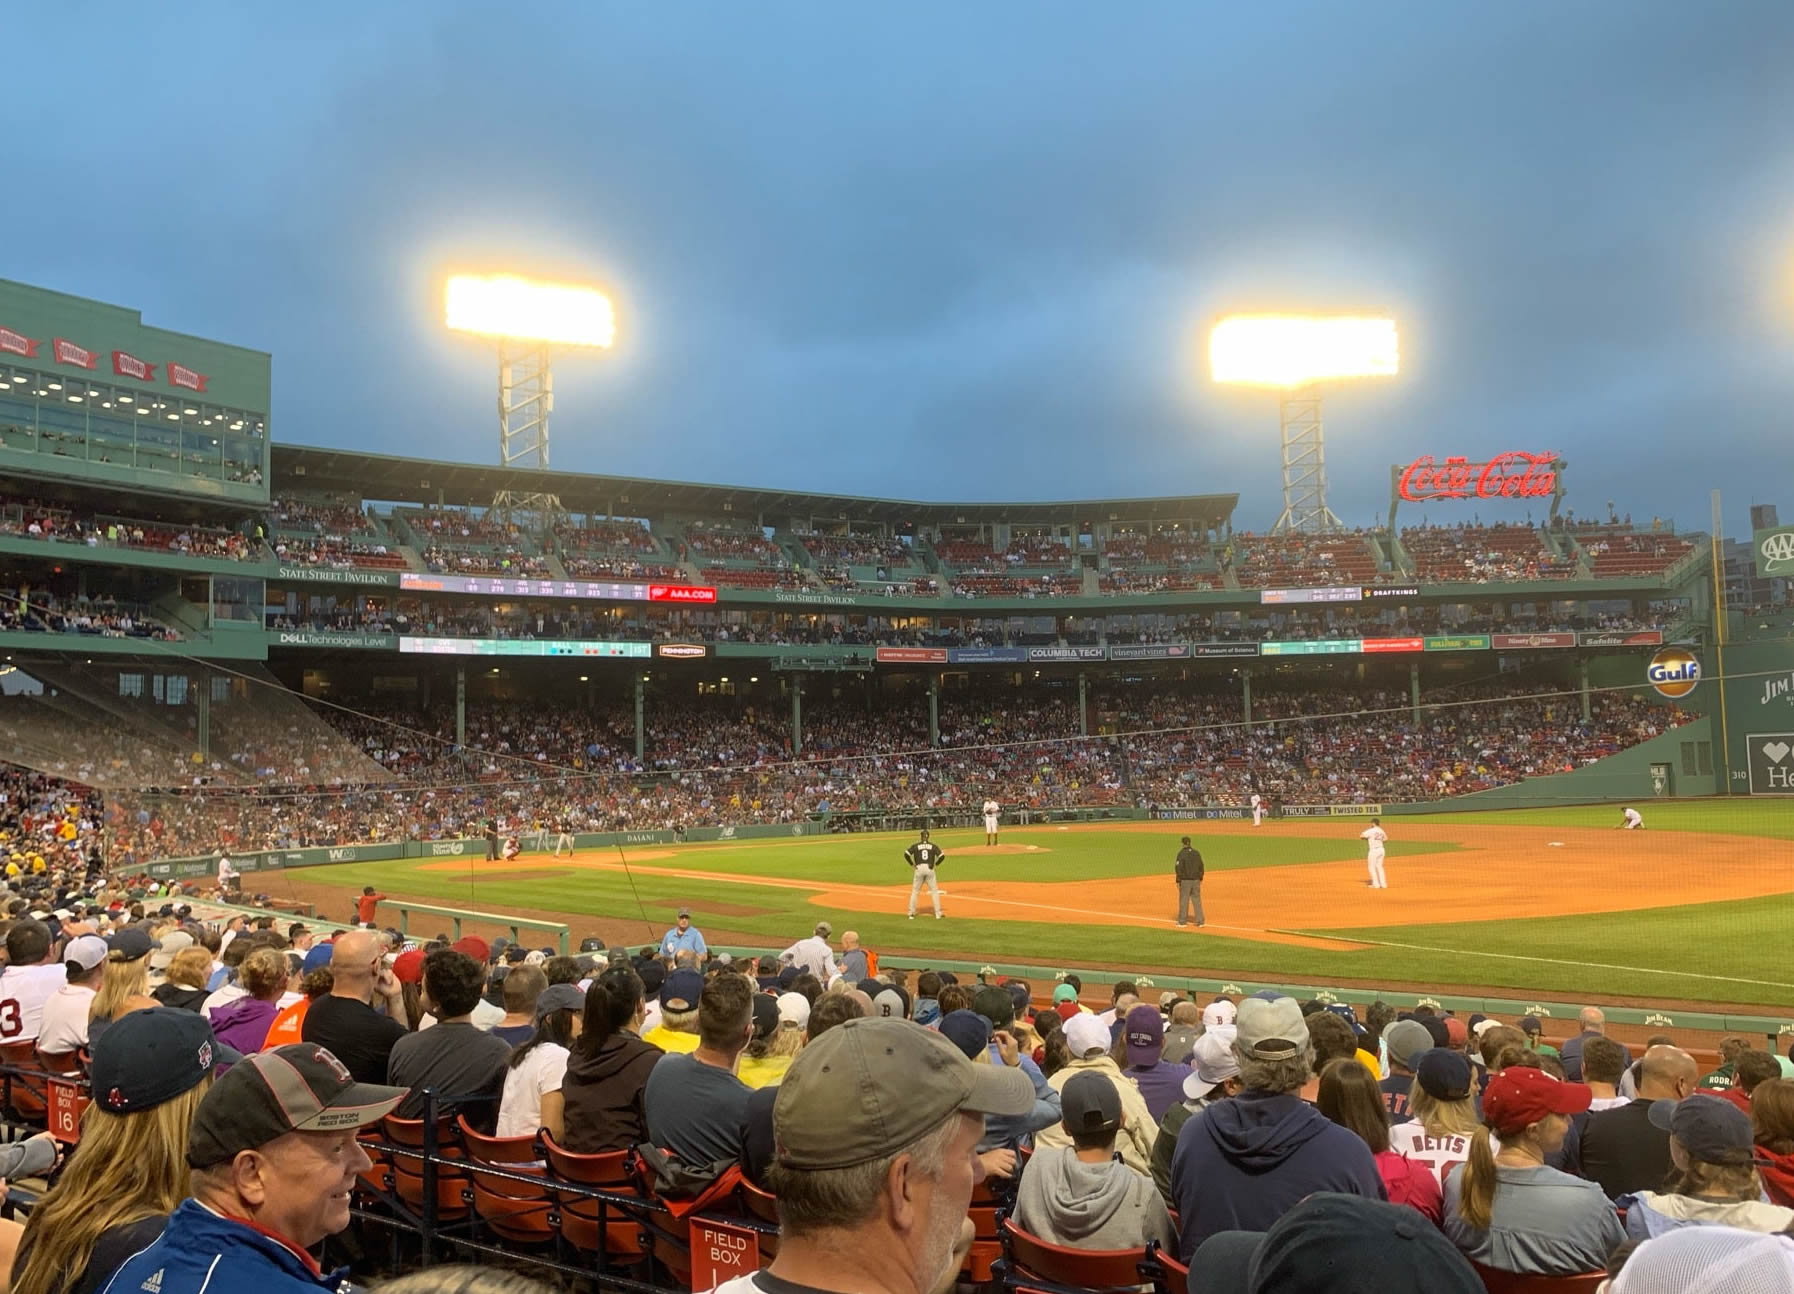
(421, 480)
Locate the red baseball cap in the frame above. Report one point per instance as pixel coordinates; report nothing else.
(1520, 1095)
(408, 967)
(475, 947)
(1456, 1032)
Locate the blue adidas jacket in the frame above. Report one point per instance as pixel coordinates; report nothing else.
(203, 1253)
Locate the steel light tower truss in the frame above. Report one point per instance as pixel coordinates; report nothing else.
(525, 400)
(1305, 509)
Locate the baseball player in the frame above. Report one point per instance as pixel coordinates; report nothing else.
(1631, 820)
(230, 880)
(1374, 856)
(563, 841)
(1258, 809)
(993, 817)
(923, 857)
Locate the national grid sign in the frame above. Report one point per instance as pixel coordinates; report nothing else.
(1771, 761)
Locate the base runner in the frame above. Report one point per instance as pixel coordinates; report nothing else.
(923, 857)
(1374, 857)
(993, 818)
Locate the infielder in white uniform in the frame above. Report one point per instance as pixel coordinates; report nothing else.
(993, 817)
(1631, 820)
(1258, 809)
(923, 857)
(1374, 857)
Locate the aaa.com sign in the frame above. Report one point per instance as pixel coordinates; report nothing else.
(1513, 475)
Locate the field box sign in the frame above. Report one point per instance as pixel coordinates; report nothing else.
(721, 1252)
(1770, 758)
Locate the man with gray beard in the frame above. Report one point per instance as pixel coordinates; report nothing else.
(877, 1124)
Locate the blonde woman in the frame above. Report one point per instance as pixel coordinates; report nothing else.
(149, 1072)
(1444, 1113)
(125, 987)
(778, 1037)
(184, 983)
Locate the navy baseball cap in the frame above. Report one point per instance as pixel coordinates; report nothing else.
(967, 1030)
(147, 1057)
(681, 990)
(1443, 1074)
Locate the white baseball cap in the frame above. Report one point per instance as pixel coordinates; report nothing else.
(1085, 1033)
(1221, 1012)
(1214, 1064)
(794, 1008)
(86, 951)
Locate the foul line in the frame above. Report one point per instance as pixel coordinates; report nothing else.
(1553, 961)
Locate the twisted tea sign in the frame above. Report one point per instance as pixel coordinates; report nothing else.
(1770, 758)
(1774, 548)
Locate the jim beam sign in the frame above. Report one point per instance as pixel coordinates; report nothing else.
(1770, 758)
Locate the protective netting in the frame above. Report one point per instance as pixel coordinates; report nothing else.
(1710, 1260)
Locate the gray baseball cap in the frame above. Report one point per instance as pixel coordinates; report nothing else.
(1406, 1040)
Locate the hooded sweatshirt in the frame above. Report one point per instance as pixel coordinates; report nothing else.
(244, 1024)
(1065, 1201)
(1777, 1172)
(1134, 1145)
(602, 1095)
(1243, 1163)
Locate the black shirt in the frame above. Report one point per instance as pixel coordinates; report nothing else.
(466, 1067)
(1623, 1151)
(924, 853)
(354, 1033)
(110, 1249)
(1189, 864)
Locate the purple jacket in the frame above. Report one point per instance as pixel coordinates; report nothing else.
(1162, 1084)
(243, 1024)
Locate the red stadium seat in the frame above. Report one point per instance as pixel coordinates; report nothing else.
(1499, 1282)
(619, 1237)
(517, 1211)
(1090, 1269)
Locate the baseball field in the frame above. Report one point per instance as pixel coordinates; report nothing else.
(1696, 909)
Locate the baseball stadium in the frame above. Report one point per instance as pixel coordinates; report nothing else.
(505, 694)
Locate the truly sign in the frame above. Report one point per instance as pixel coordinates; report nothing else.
(1513, 475)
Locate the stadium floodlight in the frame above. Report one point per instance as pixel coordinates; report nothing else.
(1295, 354)
(530, 319)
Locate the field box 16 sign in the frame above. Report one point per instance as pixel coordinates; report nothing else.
(1770, 758)
(721, 1252)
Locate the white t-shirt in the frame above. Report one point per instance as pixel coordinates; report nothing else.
(520, 1112)
(63, 1025)
(991, 810)
(1376, 836)
(223, 997)
(1441, 1154)
(1633, 819)
(23, 992)
(484, 1016)
(1257, 800)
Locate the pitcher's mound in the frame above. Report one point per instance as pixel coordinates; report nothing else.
(1000, 849)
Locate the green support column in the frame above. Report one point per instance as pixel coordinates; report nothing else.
(1246, 696)
(641, 734)
(797, 715)
(1414, 688)
(204, 685)
(1582, 681)
(934, 710)
(1083, 705)
(461, 706)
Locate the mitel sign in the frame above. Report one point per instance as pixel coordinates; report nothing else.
(1513, 475)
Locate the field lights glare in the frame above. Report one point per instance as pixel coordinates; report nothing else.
(504, 305)
(1299, 350)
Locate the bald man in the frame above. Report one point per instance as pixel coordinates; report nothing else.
(854, 965)
(1621, 1149)
(1594, 1025)
(345, 1022)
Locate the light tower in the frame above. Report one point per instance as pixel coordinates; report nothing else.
(1295, 354)
(530, 320)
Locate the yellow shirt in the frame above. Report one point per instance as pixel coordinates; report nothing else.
(1369, 1062)
(671, 1040)
(764, 1071)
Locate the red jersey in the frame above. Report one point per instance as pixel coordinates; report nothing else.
(364, 907)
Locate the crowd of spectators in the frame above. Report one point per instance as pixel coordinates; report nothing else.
(854, 550)
(338, 517)
(507, 561)
(1483, 554)
(1261, 1142)
(718, 541)
(37, 611)
(614, 537)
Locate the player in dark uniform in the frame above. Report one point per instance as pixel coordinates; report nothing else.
(923, 857)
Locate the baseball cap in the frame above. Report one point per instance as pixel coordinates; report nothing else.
(1519, 1096)
(86, 951)
(1443, 1074)
(1065, 993)
(1327, 1234)
(1218, 1013)
(869, 1087)
(616, 957)
(128, 945)
(890, 1003)
(1344, 1011)
(1531, 1024)
(967, 1030)
(407, 967)
(591, 944)
(766, 1017)
(1711, 1130)
(1709, 1260)
(685, 912)
(681, 990)
(1483, 1026)
(1214, 1064)
(147, 1057)
(1145, 1031)
(475, 947)
(559, 997)
(297, 1088)
(794, 1008)
(1273, 1030)
(173, 942)
(1089, 1103)
(1456, 1031)
(1406, 1039)
(1085, 1033)
(995, 1005)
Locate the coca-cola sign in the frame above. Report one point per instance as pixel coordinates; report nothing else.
(1513, 475)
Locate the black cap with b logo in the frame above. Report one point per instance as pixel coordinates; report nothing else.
(297, 1088)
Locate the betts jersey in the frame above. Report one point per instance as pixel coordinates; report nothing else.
(1440, 1154)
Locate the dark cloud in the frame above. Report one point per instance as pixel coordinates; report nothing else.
(948, 250)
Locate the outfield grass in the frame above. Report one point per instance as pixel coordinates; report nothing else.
(1705, 952)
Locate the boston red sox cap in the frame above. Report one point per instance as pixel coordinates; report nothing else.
(297, 1088)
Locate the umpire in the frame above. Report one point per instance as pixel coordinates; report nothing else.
(1189, 883)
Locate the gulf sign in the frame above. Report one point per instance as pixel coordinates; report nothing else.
(1673, 672)
(1513, 475)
